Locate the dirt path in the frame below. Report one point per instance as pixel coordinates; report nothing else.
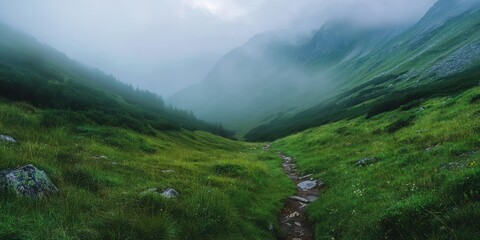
(293, 218)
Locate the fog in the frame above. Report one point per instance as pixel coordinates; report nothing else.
(166, 45)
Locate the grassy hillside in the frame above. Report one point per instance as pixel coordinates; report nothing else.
(40, 75)
(422, 181)
(228, 190)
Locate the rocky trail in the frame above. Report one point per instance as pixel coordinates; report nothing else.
(294, 222)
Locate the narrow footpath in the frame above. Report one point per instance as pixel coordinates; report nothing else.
(294, 222)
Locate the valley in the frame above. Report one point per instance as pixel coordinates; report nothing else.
(351, 131)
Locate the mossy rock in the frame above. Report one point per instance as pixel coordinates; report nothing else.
(27, 181)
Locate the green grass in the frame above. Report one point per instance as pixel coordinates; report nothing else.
(408, 193)
(228, 189)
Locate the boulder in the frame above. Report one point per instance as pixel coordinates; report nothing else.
(6, 138)
(27, 181)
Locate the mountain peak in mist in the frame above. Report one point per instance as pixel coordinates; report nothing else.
(443, 10)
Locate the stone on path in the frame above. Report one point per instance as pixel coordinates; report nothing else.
(307, 185)
(299, 199)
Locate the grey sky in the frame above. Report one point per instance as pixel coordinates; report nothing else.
(165, 45)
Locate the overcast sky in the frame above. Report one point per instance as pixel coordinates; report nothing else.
(165, 45)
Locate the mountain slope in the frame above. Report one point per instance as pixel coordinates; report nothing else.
(416, 65)
(288, 82)
(245, 85)
(272, 74)
(38, 74)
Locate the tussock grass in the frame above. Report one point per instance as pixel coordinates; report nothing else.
(228, 189)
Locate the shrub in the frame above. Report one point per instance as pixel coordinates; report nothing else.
(147, 148)
(411, 105)
(475, 99)
(57, 118)
(400, 123)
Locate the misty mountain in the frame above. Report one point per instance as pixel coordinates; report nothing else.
(249, 83)
(46, 78)
(440, 55)
(270, 80)
(277, 74)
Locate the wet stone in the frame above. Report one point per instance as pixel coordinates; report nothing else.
(307, 185)
(299, 199)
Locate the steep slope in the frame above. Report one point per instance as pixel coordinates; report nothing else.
(36, 73)
(420, 63)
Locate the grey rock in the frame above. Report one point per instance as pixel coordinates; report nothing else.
(7, 138)
(293, 215)
(299, 199)
(366, 161)
(307, 185)
(267, 146)
(168, 193)
(27, 181)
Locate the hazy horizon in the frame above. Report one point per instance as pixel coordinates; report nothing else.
(164, 46)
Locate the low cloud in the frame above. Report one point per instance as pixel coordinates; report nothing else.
(164, 45)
